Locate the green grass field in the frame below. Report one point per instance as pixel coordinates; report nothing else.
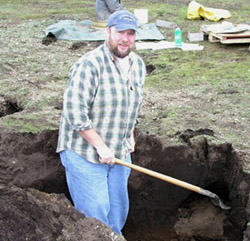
(191, 89)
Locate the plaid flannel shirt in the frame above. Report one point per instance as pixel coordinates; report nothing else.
(100, 96)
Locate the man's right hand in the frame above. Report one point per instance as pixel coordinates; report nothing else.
(106, 155)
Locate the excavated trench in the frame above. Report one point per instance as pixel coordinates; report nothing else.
(8, 107)
(163, 211)
(158, 210)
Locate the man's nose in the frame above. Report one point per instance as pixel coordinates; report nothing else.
(125, 36)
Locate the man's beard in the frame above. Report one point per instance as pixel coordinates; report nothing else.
(118, 54)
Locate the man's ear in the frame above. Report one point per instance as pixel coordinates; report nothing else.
(108, 30)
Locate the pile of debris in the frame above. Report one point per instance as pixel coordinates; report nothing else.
(227, 33)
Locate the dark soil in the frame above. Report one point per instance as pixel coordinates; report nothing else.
(159, 210)
(28, 214)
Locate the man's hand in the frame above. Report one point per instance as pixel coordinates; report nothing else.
(106, 155)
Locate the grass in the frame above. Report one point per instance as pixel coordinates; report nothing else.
(27, 121)
(192, 89)
(18, 10)
(208, 67)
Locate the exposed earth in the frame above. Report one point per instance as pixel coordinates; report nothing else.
(159, 210)
(194, 124)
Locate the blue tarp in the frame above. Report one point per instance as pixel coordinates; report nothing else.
(73, 30)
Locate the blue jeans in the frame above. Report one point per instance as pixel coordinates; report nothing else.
(98, 190)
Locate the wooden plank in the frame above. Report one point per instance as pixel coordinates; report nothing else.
(227, 36)
(215, 35)
(239, 35)
(230, 38)
(235, 41)
(213, 39)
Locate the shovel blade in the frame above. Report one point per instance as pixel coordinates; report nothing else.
(215, 199)
(217, 202)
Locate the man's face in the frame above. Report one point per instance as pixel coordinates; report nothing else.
(121, 43)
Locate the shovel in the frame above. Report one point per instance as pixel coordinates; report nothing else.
(215, 199)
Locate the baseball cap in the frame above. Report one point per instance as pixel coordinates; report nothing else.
(122, 20)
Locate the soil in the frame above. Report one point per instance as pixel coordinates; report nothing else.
(197, 134)
(33, 215)
(159, 210)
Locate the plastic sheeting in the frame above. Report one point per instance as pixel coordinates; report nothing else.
(197, 11)
(83, 31)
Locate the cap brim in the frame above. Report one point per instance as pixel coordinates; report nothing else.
(123, 27)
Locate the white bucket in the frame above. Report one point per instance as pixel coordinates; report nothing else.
(141, 15)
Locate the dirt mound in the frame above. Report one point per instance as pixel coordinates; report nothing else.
(33, 215)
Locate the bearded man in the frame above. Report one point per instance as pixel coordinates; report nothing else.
(100, 110)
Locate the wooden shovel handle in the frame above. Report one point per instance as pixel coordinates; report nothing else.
(161, 176)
